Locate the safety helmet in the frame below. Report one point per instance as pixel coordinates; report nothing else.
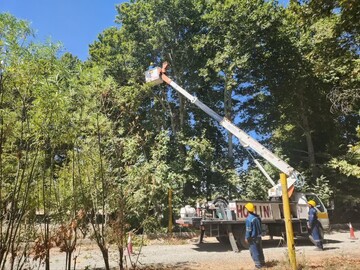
(250, 207)
(312, 203)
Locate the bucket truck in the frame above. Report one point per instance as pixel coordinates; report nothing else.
(224, 219)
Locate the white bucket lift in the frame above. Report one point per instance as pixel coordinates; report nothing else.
(153, 77)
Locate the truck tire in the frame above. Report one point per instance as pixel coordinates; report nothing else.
(240, 237)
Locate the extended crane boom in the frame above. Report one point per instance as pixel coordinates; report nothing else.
(158, 75)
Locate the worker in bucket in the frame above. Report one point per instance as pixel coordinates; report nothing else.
(253, 236)
(314, 226)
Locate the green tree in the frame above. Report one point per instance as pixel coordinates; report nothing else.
(161, 33)
(349, 163)
(24, 65)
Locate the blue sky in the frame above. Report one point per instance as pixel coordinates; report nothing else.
(74, 23)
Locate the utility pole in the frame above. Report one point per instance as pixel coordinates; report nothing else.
(288, 224)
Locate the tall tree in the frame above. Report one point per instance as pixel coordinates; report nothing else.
(159, 35)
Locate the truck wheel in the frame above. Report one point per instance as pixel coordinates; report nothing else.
(240, 238)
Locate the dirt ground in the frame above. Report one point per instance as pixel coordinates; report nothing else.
(340, 253)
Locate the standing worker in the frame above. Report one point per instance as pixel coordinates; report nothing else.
(314, 226)
(253, 236)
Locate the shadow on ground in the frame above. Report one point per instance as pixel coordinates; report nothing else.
(274, 243)
(212, 247)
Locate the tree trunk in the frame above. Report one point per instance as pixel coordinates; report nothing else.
(308, 137)
(105, 254)
(228, 115)
(181, 111)
(310, 146)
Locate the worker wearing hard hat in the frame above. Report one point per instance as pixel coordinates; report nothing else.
(253, 236)
(314, 226)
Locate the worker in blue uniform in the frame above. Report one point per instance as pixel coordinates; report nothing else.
(253, 236)
(314, 225)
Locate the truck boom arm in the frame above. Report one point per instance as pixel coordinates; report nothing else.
(157, 76)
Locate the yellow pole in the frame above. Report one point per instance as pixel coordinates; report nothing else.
(288, 224)
(170, 226)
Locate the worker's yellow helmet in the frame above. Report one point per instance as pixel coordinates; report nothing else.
(250, 207)
(312, 203)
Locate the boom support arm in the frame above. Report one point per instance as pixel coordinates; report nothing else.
(158, 75)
